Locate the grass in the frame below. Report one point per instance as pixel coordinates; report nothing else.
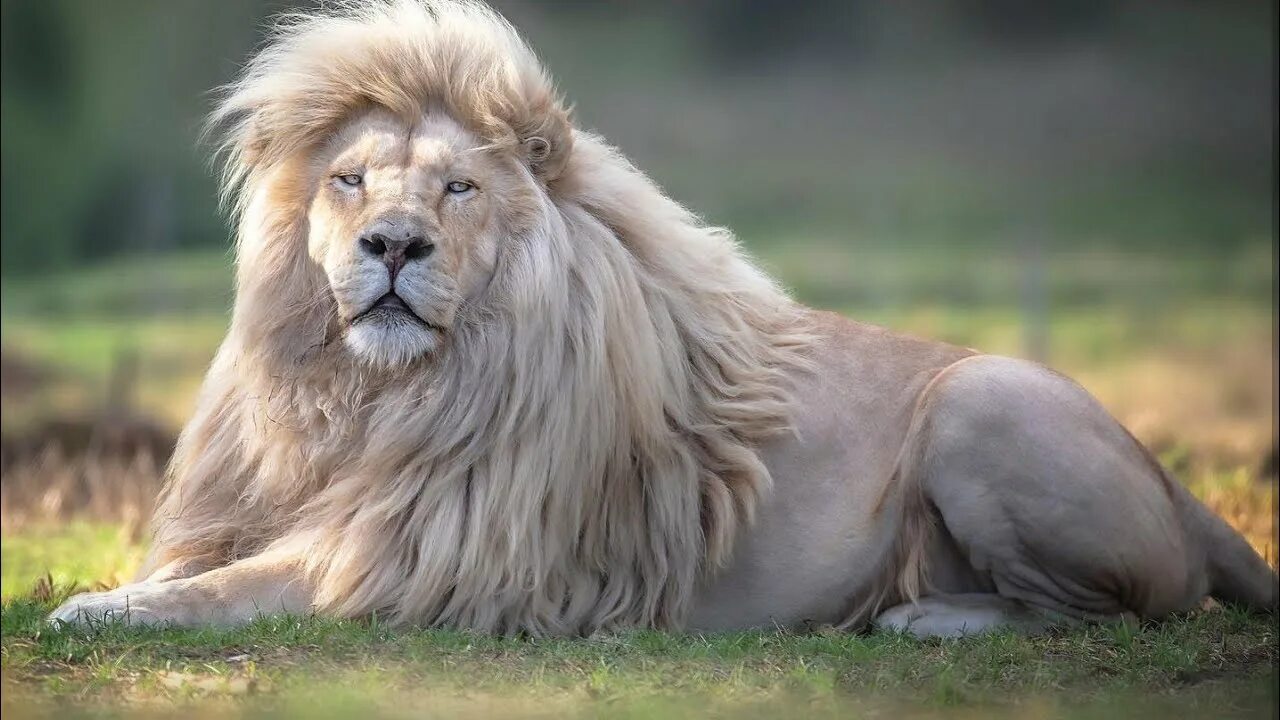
(1218, 663)
(57, 554)
(83, 353)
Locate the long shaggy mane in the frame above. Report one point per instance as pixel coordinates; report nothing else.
(584, 451)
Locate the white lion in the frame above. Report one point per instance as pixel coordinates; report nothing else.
(481, 373)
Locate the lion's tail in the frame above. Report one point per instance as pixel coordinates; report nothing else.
(1237, 573)
(903, 576)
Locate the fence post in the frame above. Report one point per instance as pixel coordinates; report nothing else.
(1035, 296)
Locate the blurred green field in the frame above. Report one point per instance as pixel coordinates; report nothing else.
(73, 554)
(1178, 344)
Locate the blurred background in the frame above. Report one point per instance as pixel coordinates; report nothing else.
(1089, 183)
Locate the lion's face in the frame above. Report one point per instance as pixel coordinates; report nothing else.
(406, 223)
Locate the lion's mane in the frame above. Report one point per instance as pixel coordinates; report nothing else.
(585, 448)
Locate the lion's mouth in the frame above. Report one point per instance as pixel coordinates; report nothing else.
(391, 306)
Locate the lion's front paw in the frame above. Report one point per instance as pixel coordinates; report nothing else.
(136, 604)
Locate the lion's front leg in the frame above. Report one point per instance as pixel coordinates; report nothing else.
(174, 570)
(270, 584)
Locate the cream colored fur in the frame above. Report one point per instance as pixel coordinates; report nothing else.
(581, 452)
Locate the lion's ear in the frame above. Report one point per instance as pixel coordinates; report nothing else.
(537, 150)
(546, 149)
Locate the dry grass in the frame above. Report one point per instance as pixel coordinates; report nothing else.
(55, 488)
(1249, 505)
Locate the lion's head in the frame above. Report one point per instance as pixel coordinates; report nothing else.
(478, 361)
(384, 160)
(406, 219)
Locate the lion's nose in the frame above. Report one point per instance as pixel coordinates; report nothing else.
(396, 248)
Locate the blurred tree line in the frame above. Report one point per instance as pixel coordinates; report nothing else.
(103, 100)
(101, 104)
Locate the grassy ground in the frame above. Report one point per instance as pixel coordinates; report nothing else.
(1212, 665)
(1215, 663)
(57, 555)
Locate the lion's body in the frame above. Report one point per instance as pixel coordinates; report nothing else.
(830, 543)
(481, 373)
(921, 469)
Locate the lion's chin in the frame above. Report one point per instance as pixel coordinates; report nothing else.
(391, 342)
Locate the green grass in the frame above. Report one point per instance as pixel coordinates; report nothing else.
(126, 288)
(88, 348)
(870, 276)
(70, 554)
(170, 312)
(169, 355)
(1219, 662)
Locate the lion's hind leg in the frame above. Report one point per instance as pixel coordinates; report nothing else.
(1051, 501)
(947, 616)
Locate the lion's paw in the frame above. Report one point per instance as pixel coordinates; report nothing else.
(136, 604)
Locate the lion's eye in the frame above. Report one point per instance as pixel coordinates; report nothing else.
(458, 186)
(350, 179)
